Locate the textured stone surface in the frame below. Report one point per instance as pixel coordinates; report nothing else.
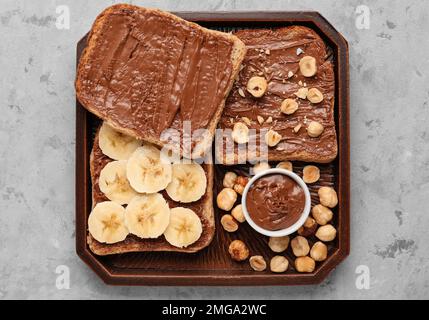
(389, 73)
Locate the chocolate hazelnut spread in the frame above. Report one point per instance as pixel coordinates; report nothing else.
(274, 54)
(275, 201)
(147, 71)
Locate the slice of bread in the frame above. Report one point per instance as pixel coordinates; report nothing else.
(275, 55)
(145, 70)
(202, 207)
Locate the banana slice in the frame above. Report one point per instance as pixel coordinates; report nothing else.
(147, 216)
(114, 184)
(115, 144)
(106, 222)
(184, 229)
(146, 171)
(188, 184)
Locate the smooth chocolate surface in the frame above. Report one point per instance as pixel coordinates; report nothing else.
(149, 72)
(275, 201)
(272, 53)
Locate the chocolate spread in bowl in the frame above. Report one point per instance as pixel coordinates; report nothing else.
(275, 202)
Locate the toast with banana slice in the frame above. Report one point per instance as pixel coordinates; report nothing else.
(141, 203)
(153, 75)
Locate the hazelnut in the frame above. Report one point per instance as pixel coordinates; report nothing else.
(308, 228)
(229, 223)
(319, 251)
(229, 179)
(260, 167)
(279, 264)
(257, 86)
(300, 246)
(302, 93)
(321, 214)
(258, 263)
(326, 233)
(240, 133)
(240, 184)
(307, 66)
(226, 199)
(278, 244)
(328, 197)
(287, 165)
(314, 129)
(310, 174)
(305, 264)
(237, 213)
(314, 95)
(297, 128)
(289, 106)
(238, 188)
(260, 119)
(238, 250)
(272, 138)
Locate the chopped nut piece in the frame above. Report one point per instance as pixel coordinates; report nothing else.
(247, 121)
(289, 106)
(319, 251)
(237, 213)
(241, 92)
(328, 197)
(310, 174)
(287, 165)
(326, 233)
(269, 120)
(267, 51)
(229, 179)
(300, 82)
(257, 86)
(279, 264)
(240, 133)
(228, 223)
(238, 250)
(314, 95)
(299, 51)
(300, 246)
(226, 199)
(301, 93)
(307, 66)
(278, 244)
(290, 74)
(272, 138)
(260, 119)
(258, 263)
(297, 128)
(305, 264)
(314, 129)
(322, 214)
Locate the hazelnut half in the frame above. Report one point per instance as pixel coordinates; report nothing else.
(305, 264)
(307, 66)
(257, 86)
(226, 199)
(314, 95)
(310, 174)
(328, 197)
(321, 214)
(308, 228)
(279, 264)
(319, 251)
(258, 263)
(240, 133)
(287, 165)
(278, 244)
(237, 213)
(300, 246)
(238, 250)
(260, 167)
(229, 179)
(302, 93)
(314, 129)
(272, 138)
(289, 106)
(229, 223)
(326, 233)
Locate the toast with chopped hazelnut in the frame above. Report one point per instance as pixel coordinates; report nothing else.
(145, 71)
(285, 92)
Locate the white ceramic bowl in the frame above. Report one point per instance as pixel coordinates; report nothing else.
(298, 223)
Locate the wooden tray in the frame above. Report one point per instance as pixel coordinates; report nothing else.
(213, 266)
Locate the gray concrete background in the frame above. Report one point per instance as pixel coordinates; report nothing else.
(389, 70)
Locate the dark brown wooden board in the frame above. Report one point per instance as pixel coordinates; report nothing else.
(213, 266)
